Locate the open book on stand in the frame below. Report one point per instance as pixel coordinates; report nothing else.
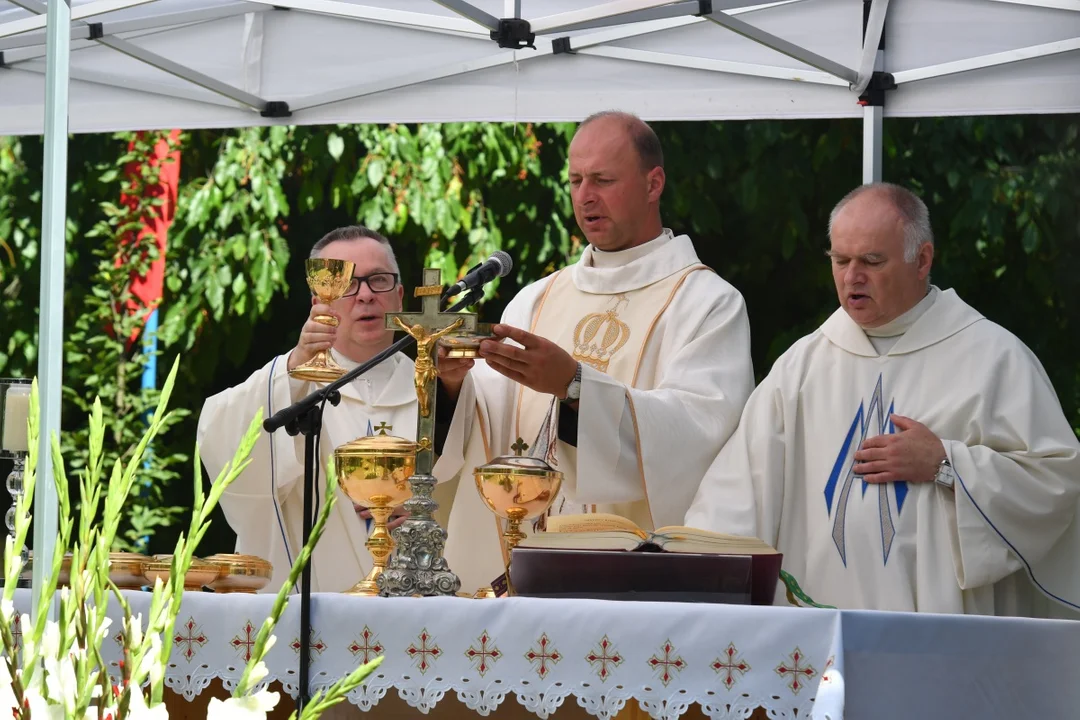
(602, 556)
(601, 531)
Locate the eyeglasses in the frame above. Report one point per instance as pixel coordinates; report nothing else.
(376, 282)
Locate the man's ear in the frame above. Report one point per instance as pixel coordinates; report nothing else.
(925, 259)
(655, 181)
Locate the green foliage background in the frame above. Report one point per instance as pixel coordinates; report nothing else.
(1004, 196)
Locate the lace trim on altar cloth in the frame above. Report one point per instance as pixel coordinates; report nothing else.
(485, 698)
(728, 660)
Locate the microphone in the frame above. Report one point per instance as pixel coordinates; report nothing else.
(498, 265)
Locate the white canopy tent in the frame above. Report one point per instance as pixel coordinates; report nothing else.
(225, 63)
(144, 64)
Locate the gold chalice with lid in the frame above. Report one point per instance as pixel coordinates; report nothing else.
(516, 488)
(374, 472)
(328, 279)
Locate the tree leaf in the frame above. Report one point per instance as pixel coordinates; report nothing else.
(335, 145)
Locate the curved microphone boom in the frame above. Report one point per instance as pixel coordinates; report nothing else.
(498, 265)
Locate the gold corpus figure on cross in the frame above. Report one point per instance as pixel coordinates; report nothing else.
(426, 371)
(426, 327)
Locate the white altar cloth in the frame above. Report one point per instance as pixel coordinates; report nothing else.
(729, 659)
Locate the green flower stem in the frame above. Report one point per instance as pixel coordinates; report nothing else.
(244, 687)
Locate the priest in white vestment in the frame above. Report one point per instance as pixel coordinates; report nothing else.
(910, 454)
(646, 350)
(264, 506)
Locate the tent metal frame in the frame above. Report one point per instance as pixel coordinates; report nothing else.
(589, 31)
(21, 43)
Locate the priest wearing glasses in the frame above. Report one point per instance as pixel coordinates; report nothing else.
(264, 506)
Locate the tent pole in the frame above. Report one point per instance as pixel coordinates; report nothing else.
(873, 117)
(51, 308)
(873, 101)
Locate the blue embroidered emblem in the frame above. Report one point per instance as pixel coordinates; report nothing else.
(868, 422)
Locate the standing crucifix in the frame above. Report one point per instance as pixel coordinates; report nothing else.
(417, 566)
(426, 327)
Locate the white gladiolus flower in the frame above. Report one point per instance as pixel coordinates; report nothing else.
(8, 703)
(7, 610)
(103, 631)
(155, 669)
(42, 709)
(137, 709)
(150, 659)
(61, 684)
(136, 630)
(258, 673)
(252, 707)
(50, 640)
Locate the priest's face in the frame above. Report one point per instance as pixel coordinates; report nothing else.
(616, 200)
(875, 282)
(362, 333)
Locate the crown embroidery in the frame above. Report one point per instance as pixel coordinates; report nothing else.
(598, 336)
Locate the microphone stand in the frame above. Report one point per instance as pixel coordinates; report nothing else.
(305, 417)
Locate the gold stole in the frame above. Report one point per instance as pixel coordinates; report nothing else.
(609, 332)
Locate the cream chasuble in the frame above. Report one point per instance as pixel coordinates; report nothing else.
(786, 475)
(610, 335)
(264, 506)
(665, 351)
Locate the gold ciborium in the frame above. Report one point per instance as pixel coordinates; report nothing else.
(328, 280)
(516, 488)
(374, 473)
(240, 573)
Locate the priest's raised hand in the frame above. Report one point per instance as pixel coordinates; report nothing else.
(913, 454)
(533, 361)
(314, 336)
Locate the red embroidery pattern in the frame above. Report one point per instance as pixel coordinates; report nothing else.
(188, 642)
(424, 651)
(729, 664)
(244, 643)
(604, 655)
(371, 645)
(483, 657)
(540, 657)
(800, 674)
(667, 663)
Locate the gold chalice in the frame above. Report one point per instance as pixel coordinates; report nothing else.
(374, 472)
(516, 488)
(328, 280)
(465, 344)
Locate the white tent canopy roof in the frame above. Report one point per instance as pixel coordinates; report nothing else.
(139, 64)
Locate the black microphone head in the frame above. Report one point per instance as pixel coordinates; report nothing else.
(506, 263)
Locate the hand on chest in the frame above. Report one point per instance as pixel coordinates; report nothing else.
(872, 441)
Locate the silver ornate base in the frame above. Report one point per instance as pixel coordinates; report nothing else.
(417, 565)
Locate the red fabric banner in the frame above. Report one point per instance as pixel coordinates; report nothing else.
(148, 289)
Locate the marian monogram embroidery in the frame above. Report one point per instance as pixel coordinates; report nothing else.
(598, 336)
(868, 422)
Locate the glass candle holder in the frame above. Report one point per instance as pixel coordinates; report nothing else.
(14, 413)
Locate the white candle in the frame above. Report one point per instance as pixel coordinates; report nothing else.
(16, 413)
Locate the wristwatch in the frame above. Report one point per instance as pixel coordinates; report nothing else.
(573, 390)
(946, 476)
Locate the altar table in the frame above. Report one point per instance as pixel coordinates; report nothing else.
(539, 655)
